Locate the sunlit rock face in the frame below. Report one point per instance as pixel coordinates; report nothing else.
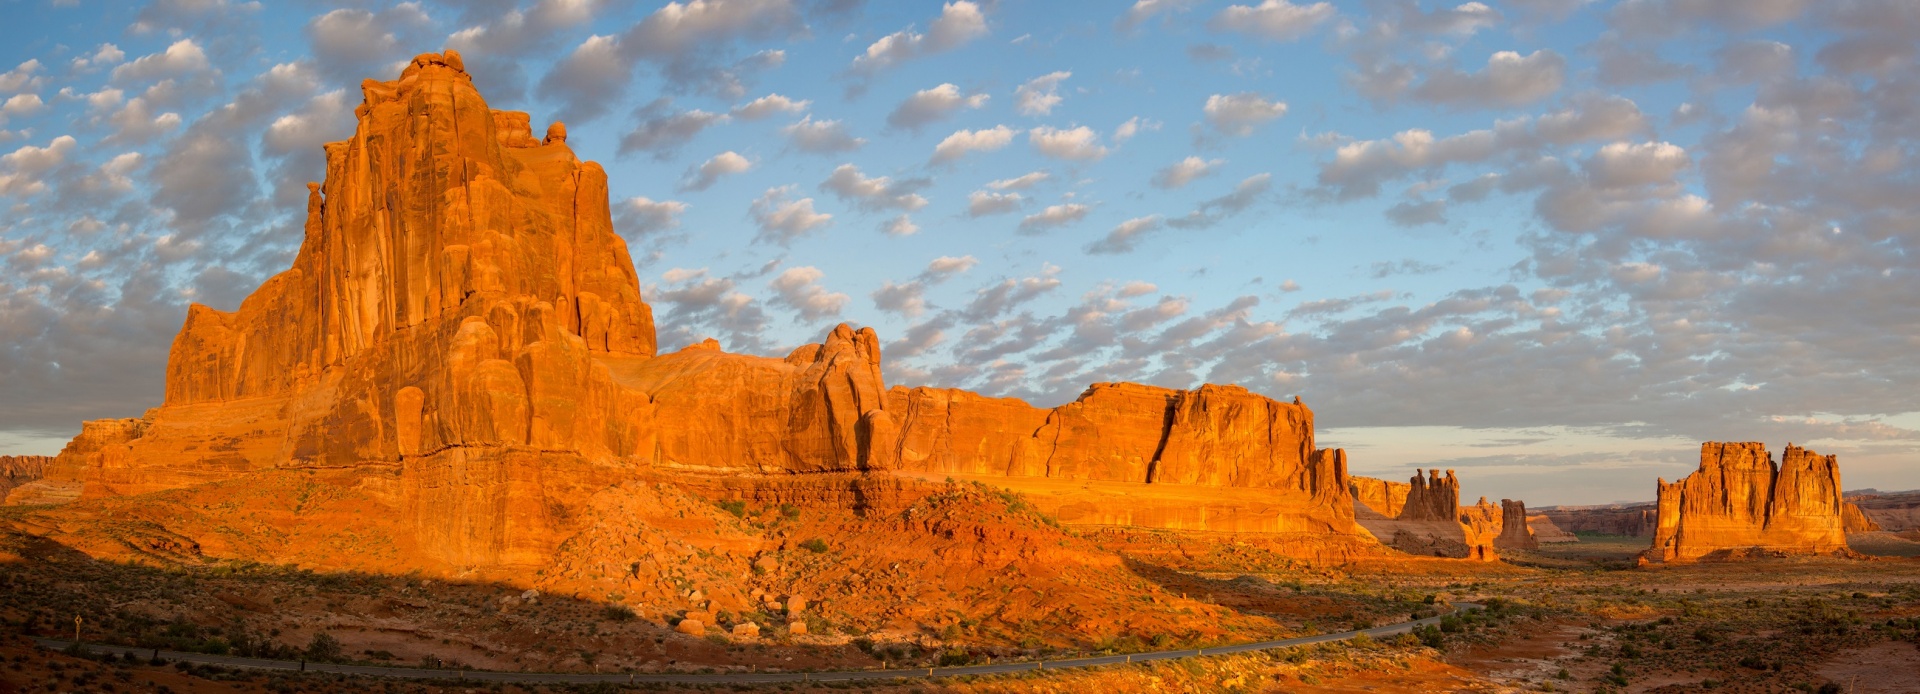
(1740, 502)
(463, 325)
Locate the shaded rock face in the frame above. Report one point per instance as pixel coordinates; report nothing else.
(1382, 497)
(1740, 502)
(1432, 497)
(19, 470)
(1637, 520)
(1546, 532)
(462, 317)
(1515, 532)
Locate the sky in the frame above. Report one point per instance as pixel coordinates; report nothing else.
(1551, 244)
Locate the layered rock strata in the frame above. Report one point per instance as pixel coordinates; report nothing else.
(1428, 517)
(20, 470)
(1741, 502)
(463, 323)
(1888, 511)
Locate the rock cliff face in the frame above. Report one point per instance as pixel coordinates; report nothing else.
(1889, 511)
(1546, 532)
(20, 470)
(1637, 520)
(1740, 502)
(462, 320)
(1382, 497)
(1515, 533)
(1482, 524)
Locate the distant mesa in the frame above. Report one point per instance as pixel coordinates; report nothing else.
(1741, 503)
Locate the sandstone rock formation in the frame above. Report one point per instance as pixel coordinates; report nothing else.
(1515, 532)
(1637, 520)
(1430, 519)
(1741, 502)
(1889, 511)
(1381, 496)
(20, 470)
(463, 326)
(1546, 532)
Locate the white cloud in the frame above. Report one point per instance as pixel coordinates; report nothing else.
(1132, 127)
(929, 105)
(1239, 114)
(662, 131)
(769, 105)
(1021, 182)
(1054, 216)
(1185, 171)
(821, 137)
(876, 193)
(706, 174)
(1276, 20)
(21, 77)
(963, 142)
(907, 299)
(641, 215)
(1627, 165)
(181, 58)
(799, 289)
(946, 267)
(106, 54)
(981, 203)
(1510, 79)
(1124, 236)
(900, 226)
(958, 23)
(1039, 95)
(1142, 10)
(21, 170)
(782, 220)
(1077, 144)
(22, 105)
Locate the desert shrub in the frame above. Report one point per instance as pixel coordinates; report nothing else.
(619, 613)
(323, 647)
(815, 545)
(734, 506)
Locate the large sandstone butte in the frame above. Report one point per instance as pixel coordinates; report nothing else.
(463, 330)
(1515, 532)
(1741, 502)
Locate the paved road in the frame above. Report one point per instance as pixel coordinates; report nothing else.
(747, 677)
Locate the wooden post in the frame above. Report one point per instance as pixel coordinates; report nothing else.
(76, 629)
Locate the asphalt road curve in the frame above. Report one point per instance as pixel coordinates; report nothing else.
(745, 677)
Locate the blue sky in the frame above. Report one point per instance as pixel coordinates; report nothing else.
(1553, 244)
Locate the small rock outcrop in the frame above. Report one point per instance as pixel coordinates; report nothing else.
(1515, 533)
(1741, 502)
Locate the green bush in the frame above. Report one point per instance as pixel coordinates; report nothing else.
(619, 613)
(815, 545)
(736, 507)
(323, 647)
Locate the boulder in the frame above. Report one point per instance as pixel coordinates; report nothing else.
(691, 627)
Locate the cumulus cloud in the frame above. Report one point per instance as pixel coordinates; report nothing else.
(874, 193)
(1022, 182)
(981, 203)
(821, 137)
(1180, 173)
(707, 173)
(782, 220)
(930, 105)
(1626, 165)
(1133, 126)
(1039, 95)
(946, 267)
(1411, 213)
(901, 225)
(698, 304)
(1076, 144)
(1142, 10)
(350, 42)
(799, 289)
(1239, 114)
(662, 131)
(106, 54)
(1274, 20)
(1209, 212)
(959, 23)
(906, 299)
(690, 43)
(182, 57)
(964, 142)
(1509, 79)
(24, 168)
(1053, 216)
(769, 106)
(1125, 235)
(22, 77)
(640, 216)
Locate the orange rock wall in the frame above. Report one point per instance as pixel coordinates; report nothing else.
(1482, 524)
(1431, 497)
(1383, 497)
(1741, 501)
